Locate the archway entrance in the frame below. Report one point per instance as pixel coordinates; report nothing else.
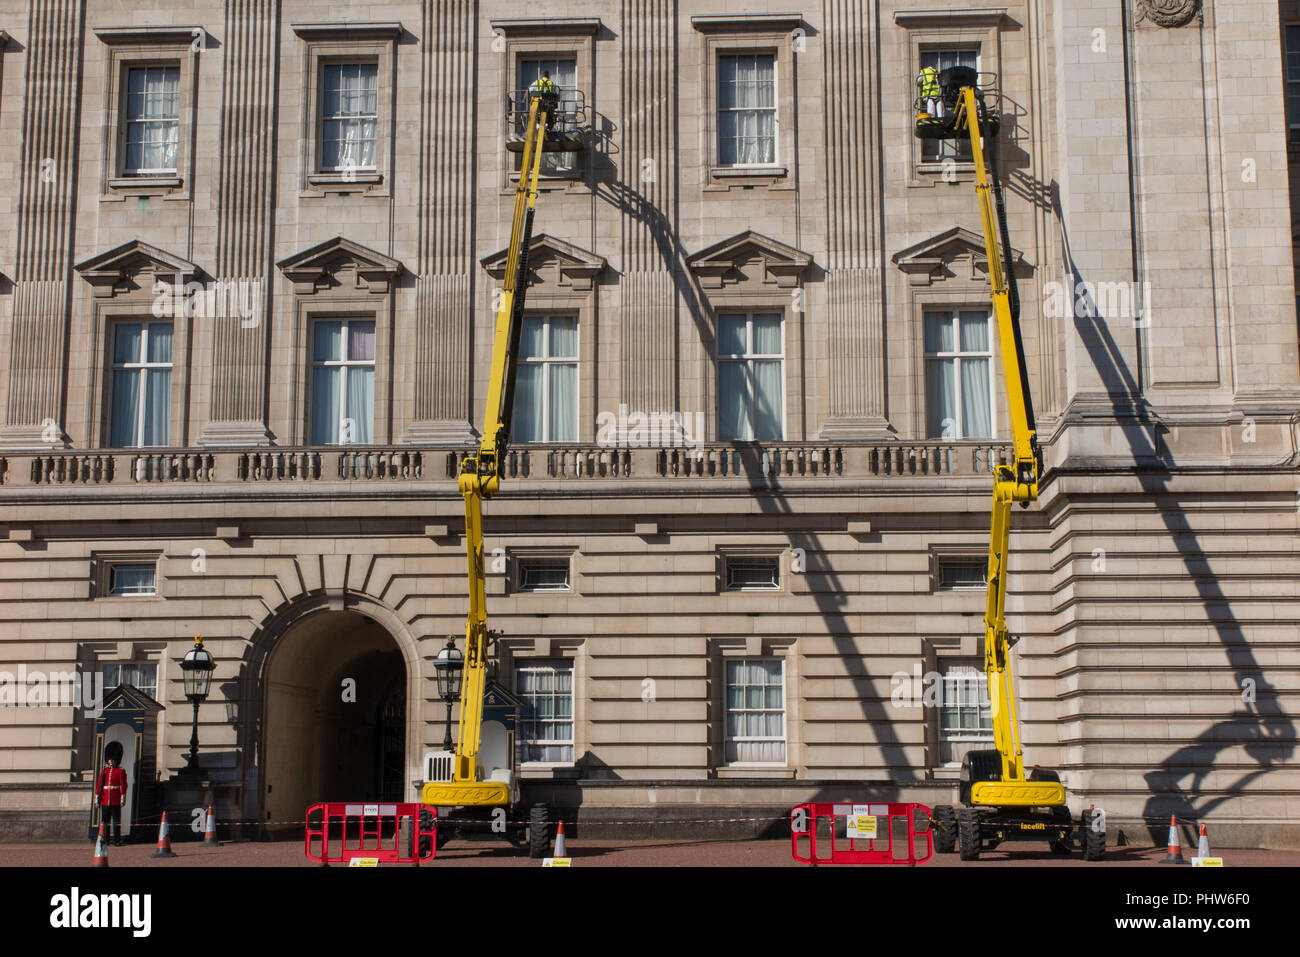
(335, 726)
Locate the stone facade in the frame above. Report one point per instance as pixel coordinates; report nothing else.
(1145, 152)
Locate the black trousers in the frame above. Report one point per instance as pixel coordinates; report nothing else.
(112, 817)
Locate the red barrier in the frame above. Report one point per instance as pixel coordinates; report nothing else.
(860, 833)
(338, 833)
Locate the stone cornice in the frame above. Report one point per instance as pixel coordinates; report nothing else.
(109, 272)
(574, 26)
(970, 17)
(344, 30)
(578, 266)
(311, 269)
(150, 34)
(747, 22)
(782, 264)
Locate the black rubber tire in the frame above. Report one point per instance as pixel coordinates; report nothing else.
(1091, 840)
(1062, 848)
(944, 826)
(1061, 817)
(426, 822)
(968, 834)
(539, 831)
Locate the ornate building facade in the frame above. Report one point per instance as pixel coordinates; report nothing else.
(248, 271)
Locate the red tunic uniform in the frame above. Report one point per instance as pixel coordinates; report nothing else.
(111, 787)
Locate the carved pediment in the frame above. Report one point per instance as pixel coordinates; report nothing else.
(952, 253)
(134, 265)
(555, 261)
(752, 257)
(340, 263)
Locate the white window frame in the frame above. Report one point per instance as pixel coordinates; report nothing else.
(105, 665)
(127, 121)
(547, 361)
(776, 108)
(948, 149)
(111, 572)
(322, 119)
(728, 740)
(741, 559)
(538, 665)
(524, 561)
(345, 363)
(141, 368)
(749, 357)
(959, 355)
(953, 674)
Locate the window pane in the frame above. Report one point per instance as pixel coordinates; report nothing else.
(360, 410)
(767, 334)
(326, 384)
(127, 342)
(974, 331)
(564, 403)
(769, 403)
(940, 332)
(361, 341)
(532, 338)
(126, 409)
(941, 398)
(564, 337)
(157, 406)
(527, 421)
(731, 335)
(733, 402)
(131, 579)
(160, 342)
(977, 422)
(327, 342)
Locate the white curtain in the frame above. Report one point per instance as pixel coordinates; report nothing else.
(527, 421)
(360, 407)
(976, 381)
(733, 402)
(152, 112)
(769, 404)
(327, 382)
(349, 106)
(126, 406)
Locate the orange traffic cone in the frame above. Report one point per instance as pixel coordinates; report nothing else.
(560, 850)
(1203, 845)
(164, 840)
(101, 849)
(1175, 855)
(209, 829)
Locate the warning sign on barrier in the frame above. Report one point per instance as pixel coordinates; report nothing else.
(861, 834)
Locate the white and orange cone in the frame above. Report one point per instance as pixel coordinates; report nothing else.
(164, 848)
(101, 849)
(560, 850)
(1203, 845)
(209, 829)
(1175, 855)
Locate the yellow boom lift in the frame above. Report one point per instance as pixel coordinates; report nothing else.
(473, 788)
(999, 802)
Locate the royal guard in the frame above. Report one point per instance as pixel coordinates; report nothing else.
(110, 795)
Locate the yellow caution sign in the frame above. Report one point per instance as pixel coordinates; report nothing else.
(1207, 862)
(862, 826)
(556, 862)
(364, 862)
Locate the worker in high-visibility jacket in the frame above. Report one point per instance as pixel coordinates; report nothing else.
(110, 795)
(545, 87)
(931, 99)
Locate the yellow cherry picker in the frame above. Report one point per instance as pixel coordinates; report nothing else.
(480, 784)
(999, 802)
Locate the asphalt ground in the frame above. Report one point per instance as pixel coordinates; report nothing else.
(653, 853)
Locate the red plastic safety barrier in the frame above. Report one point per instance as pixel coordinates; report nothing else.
(338, 832)
(860, 833)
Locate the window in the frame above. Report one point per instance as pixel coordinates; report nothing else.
(546, 721)
(1293, 82)
(961, 573)
(151, 111)
(349, 116)
(546, 386)
(563, 72)
(936, 151)
(343, 382)
(544, 574)
(753, 572)
(958, 374)
(141, 384)
(755, 711)
(965, 714)
(133, 578)
(747, 109)
(751, 377)
(141, 675)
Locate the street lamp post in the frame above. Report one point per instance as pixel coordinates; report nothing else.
(197, 667)
(448, 667)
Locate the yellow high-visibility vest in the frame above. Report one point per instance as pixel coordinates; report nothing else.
(928, 81)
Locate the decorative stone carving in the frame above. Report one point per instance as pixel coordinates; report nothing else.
(323, 265)
(573, 266)
(723, 264)
(1169, 13)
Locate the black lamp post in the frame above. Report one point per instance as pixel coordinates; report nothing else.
(197, 667)
(448, 668)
